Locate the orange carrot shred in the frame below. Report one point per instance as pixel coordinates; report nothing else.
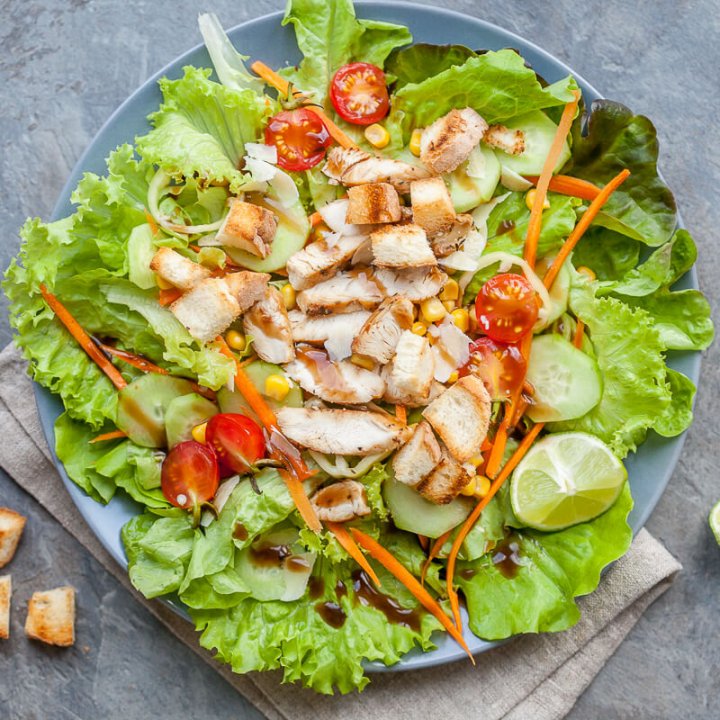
(112, 435)
(315, 219)
(151, 222)
(401, 414)
(301, 500)
(353, 550)
(271, 77)
(434, 551)
(132, 359)
(403, 575)
(167, 297)
(579, 333)
(424, 541)
(567, 185)
(83, 339)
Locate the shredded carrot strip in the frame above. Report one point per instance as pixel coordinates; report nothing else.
(535, 224)
(166, 297)
(271, 77)
(498, 447)
(315, 219)
(402, 574)
(486, 445)
(112, 435)
(83, 339)
(584, 223)
(579, 333)
(338, 135)
(135, 360)
(567, 185)
(424, 542)
(302, 503)
(352, 549)
(151, 222)
(434, 550)
(401, 414)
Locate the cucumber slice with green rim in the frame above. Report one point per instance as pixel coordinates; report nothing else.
(183, 414)
(467, 191)
(567, 382)
(140, 250)
(559, 292)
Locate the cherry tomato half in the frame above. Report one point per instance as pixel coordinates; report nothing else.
(506, 307)
(237, 440)
(359, 93)
(189, 475)
(300, 137)
(501, 367)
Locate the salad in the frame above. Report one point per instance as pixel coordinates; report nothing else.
(365, 339)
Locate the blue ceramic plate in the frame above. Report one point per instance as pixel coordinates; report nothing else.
(649, 469)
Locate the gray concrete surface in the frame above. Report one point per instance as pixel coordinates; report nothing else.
(65, 66)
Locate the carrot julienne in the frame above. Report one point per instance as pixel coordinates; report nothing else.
(579, 333)
(167, 297)
(568, 185)
(434, 551)
(301, 500)
(424, 542)
(352, 549)
(403, 575)
(151, 222)
(131, 359)
(401, 414)
(112, 435)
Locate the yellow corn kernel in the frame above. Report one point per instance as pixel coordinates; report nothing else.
(377, 136)
(235, 340)
(277, 387)
(163, 284)
(470, 488)
(453, 378)
(451, 291)
(414, 144)
(483, 486)
(419, 328)
(530, 199)
(288, 295)
(477, 460)
(362, 361)
(449, 305)
(461, 318)
(198, 432)
(432, 310)
(583, 270)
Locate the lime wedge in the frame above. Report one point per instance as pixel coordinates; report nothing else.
(565, 479)
(714, 521)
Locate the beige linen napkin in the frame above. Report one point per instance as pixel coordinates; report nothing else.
(549, 672)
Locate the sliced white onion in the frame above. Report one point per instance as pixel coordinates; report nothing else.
(221, 497)
(477, 164)
(339, 467)
(512, 181)
(334, 214)
(284, 189)
(459, 260)
(339, 345)
(209, 240)
(450, 350)
(260, 170)
(259, 151)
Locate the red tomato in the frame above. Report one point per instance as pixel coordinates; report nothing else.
(501, 367)
(189, 475)
(359, 93)
(237, 440)
(300, 137)
(506, 307)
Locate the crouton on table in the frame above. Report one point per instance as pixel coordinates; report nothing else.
(5, 596)
(11, 529)
(51, 617)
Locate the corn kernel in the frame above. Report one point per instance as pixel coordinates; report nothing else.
(469, 489)
(198, 432)
(449, 305)
(483, 486)
(477, 460)
(530, 199)
(362, 361)
(433, 310)
(288, 295)
(461, 318)
(419, 328)
(451, 291)
(163, 284)
(377, 136)
(414, 144)
(277, 387)
(235, 340)
(453, 378)
(583, 270)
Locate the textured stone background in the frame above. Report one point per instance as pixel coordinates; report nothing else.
(65, 66)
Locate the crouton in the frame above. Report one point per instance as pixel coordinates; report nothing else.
(447, 242)
(432, 207)
(268, 323)
(373, 203)
(401, 246)
(341, 502)
(448, 142)
(179, 271)
(248, 227)
(11, 528)
(247, 287)
(445, 482)
(461, 416)
(51, 617)
(415, 460)
(510, 141)
(379, 335)
(409, 375)
(5, 596)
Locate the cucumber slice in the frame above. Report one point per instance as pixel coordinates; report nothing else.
(412, 512)
(183, 414)
(559, 292)
(275, 567)
(140, 251)
(467, 191)
(142, 406)
(567, 382)
(539, 132)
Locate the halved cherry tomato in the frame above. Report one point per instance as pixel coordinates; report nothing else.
(500, 366)
(237, 441)
(506, 307)
(300, 137)
(359, 93)
(189, 475)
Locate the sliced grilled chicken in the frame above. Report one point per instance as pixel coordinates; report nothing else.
(447, 242)
(268, 323)
(336, 382)
(450, 350)
(401, 246)
(342, 432)
(415, 460)
(341, 502)
(510, 141)
(336, 332)
(382, 330)
(373, 203)
(416, 284)
(409, 376)
(248, 227)
(445, 482)
(320, 260)
(449, 140)
(346, 292)
(178, 270)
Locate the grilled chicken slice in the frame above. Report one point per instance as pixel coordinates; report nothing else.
(409, 376)
(373, 203)
(336, 332)
(345, 293)
(268, 323)
(447, 242)
(510, 141)
(450, 139)
(416, 284)
(341, 502)
(342, 432)
(248, 227)
(451, 349)
(401, 246)
(336, 382)
(351, 166)
(320, 260)
(178, 270)
(415, 460)
(382, 330)
(445, 482)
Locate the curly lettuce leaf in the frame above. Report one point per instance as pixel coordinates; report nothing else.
(608, 254)
(422, 61)
(678, 416)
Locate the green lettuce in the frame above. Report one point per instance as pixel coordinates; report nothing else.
(608, 254)
(422, 61)
(678, 416)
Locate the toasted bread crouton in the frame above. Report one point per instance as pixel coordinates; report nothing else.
(207, 310)
(5, 596)
(445, 482)
(379, 336)
(510, 141)
(409, 376)
(450, 139)
(415, 460)
(401, 246)
(248, 227)
(247, 287)
(320, 260)
(373, 203)
(341, 502)
(432, 207)
(268, 323)
(449, 241)
(461, 416)
(11, 529)
(51, 617)
(179, 271)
